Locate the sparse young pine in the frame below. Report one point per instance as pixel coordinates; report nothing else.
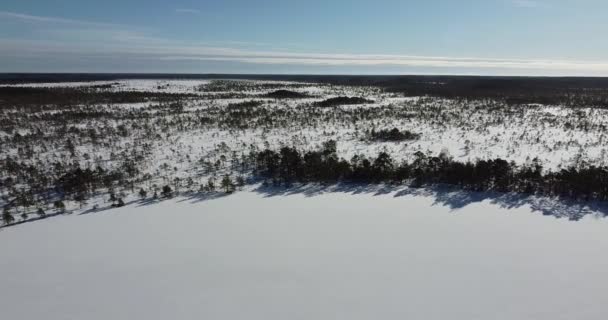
(59, 205)
(7, 217)
(240, 181)
(210, 185)
(167, 192)
(227, 184)
(81, 198)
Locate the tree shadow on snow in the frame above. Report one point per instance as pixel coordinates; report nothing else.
(196, 197)
(447, 196)
(451, 197)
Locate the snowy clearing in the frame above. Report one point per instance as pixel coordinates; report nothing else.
(329, 256)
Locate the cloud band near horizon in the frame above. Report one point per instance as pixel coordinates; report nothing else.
(95, 41)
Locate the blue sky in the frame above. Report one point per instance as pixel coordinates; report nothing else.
(492, 37)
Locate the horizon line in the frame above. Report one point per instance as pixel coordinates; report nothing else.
(300, 74)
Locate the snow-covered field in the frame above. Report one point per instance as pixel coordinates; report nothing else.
(334, 255)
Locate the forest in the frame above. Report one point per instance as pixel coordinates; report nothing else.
(288, 165)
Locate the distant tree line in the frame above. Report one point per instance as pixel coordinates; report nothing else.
(290, 165)
(11, 96)
(570, 91)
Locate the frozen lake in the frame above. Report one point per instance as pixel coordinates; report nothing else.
(329, 256)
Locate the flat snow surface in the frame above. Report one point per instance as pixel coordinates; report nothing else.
(327, 256)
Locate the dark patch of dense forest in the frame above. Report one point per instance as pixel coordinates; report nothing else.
(286, 94)
(290, 165)
(10, 96)
(393, 135)
(339, 101)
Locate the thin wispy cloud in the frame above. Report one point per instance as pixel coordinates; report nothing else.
(405, 61)
(167, 50)
(188, 11)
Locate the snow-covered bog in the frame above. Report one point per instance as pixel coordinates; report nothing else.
(145, 134)
(162, 235)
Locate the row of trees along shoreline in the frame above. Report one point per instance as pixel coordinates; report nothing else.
(289, 165)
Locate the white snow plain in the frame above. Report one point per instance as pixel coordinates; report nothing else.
(320, 256)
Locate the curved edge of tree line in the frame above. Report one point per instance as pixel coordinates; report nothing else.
(289, 165)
